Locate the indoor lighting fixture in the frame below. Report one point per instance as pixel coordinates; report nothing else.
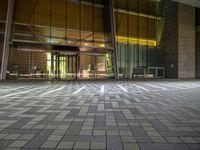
(101, 45)
(122, 39)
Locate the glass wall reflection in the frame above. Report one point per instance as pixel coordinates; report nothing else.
(63, 22)
(139, 26)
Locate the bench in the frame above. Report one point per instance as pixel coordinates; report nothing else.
(138, 72)
(157, 72)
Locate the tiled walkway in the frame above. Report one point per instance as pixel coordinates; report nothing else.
(113, 115)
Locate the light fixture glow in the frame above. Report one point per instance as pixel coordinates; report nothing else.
(145, 42)
(101, 45)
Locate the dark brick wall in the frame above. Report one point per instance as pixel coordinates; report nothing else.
(170, 38)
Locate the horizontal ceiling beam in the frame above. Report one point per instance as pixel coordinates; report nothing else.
(88, 3)
(194, 3)
(137, 14)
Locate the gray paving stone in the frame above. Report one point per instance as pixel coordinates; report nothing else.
(131, 146)
(27, 136)
(39, 126)
(39, 139)
(173, 140)
(5, 143)
(84, 138)
(98, 139)
(2, 136)
(158, 140)
(153, 133)
(54, 138)
(143, 139)
(50, 126)
(149, 129)
(10, 148)
(186, 129)
(62, 127)
(126, 133)
(130, 139)
(59, 132)
(154, 146)
(195, 146)
(82, 145)
(87, 128)
(85, 132)
(99, 146)
(99, 132)
(18, 143)
(112, 133)
(49, 144)
(65, 145)
(189, 140)
(161, 119)
(114, 146)
(12, 136)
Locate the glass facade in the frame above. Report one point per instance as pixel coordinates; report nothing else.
(79, 25)
(73, 38)
(139, 26)
(62, 22)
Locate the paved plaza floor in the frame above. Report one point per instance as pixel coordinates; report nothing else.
(113, 115)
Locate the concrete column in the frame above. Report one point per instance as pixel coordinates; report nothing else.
(7, 36)
(170, 38)
(179, 40)
(186, 41)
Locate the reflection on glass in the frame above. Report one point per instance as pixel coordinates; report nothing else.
(61, 21)
(139, 27)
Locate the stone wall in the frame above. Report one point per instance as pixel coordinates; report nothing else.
(186, 41)
(170, 38)
(179, 39)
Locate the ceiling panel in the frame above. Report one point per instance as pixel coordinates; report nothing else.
(195, 3)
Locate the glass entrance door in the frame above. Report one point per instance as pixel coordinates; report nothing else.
(62, 66)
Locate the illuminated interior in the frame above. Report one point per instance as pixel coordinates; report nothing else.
(84, 24)
(135, 41)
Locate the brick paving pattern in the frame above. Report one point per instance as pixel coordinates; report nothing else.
(113, 115)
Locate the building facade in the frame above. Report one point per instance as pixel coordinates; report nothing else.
(98, 39)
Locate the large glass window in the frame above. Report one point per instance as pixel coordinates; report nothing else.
(78, 23)
(139, 29)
